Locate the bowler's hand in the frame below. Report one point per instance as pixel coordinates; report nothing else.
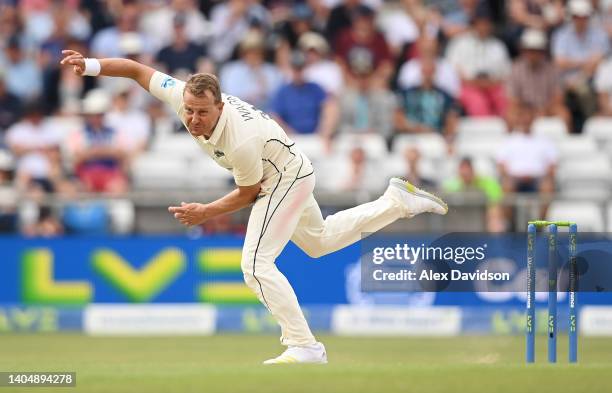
(189, 213)
(75, 59)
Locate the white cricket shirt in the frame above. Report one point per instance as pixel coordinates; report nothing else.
(245, 141)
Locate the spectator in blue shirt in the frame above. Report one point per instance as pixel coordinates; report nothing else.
(182, 53)
(578, 47)
(23, 77)
(303, 107)
(426, 108)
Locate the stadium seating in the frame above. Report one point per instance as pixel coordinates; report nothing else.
(429, 145)
(599, 128)
(477, 127)
(552, 128)
(588, 215)
(578, 146)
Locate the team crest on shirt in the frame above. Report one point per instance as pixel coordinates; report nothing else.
(168, 82)
(219, 153)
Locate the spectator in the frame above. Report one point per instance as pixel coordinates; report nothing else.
(467, 180)
(251, 78)
(8, 195)
(359, 173)
(603, 87)
(531, 14)
(399, 28)
(303, 107)
(298, 23)
(578, 47)
(10, 108)
(50, 56)
(98, 158)
(158, 22)
(340, 19)
(445, 78)
(455, 22)
(482, 61)
(365, 106)
(527, 162)
(363, 41)
(22, 76)
(35, 144)
(71, 87)
(182, 53)
(231, 20)
(319, 69)
(426, 108)
(106, 42)
(45, 225)
(412, 159)
(132, 126)
(41, 22)
(534, 79)
(133, 47)
(356, 178)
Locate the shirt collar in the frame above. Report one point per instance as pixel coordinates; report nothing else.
(216, 134)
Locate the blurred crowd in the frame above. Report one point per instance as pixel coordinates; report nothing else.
(324, 68)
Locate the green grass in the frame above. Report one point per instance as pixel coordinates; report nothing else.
(228, 363)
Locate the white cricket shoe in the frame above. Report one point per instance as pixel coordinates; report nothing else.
(414, 199)
(312, 354)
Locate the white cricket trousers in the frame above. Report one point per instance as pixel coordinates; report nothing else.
(290, 212)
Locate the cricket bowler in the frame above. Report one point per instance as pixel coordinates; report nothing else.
(272, 175)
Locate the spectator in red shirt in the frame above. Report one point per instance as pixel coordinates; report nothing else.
(99, 160)
(363, 40)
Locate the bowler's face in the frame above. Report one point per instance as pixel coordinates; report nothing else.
(201, 113)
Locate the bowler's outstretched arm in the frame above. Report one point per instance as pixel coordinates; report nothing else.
(111, 67)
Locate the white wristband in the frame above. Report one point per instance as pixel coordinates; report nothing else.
(92, 67)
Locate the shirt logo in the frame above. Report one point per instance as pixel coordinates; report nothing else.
(168, 82)
(219, 154)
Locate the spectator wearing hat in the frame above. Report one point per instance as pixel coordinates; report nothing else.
(303, 107)
(578, 48)
(363, 40)
(483, 62)
(23, 78)
(426, 108)
(182, 53)
(319, 68)
(35, 143)
(534, 79)
(365, 105)
(98, 158)
(531, 14)
(251, 78)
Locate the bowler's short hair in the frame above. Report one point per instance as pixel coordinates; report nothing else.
(199, 83)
